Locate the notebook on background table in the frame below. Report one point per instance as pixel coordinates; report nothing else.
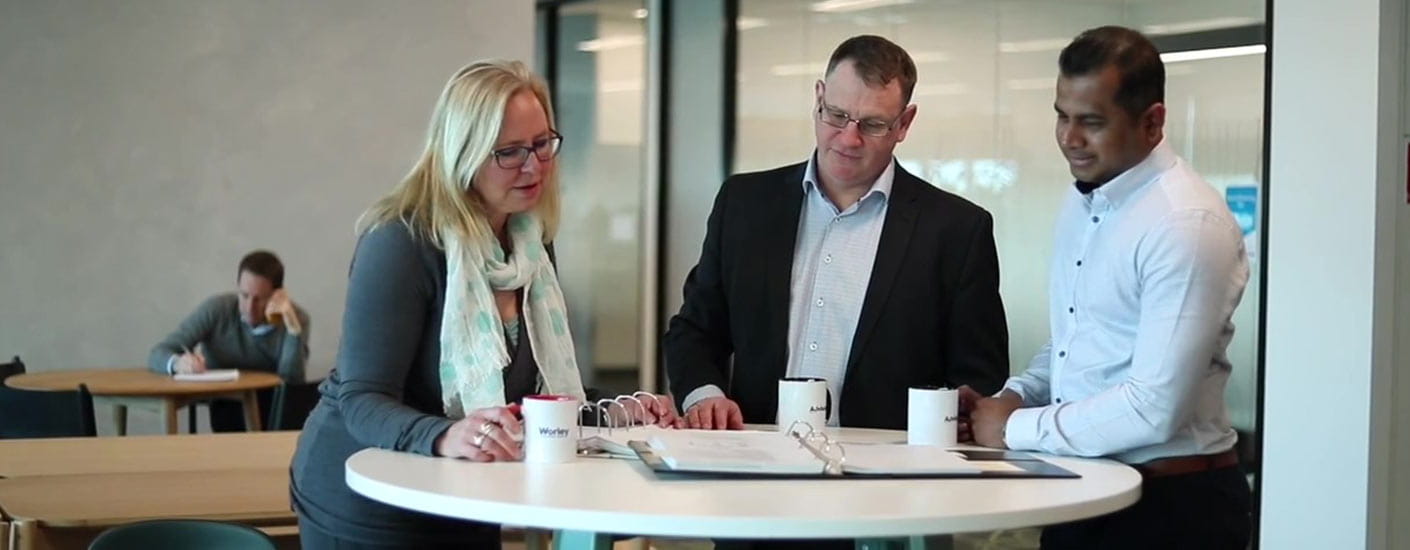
(213, 375)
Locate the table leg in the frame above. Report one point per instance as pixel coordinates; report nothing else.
(22, 535)
(919, 542)
(120, 419)
(169, 416)
(252, 423)
(535, 539)
(581, 540)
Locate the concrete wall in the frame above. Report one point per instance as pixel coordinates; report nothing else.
(146, 145)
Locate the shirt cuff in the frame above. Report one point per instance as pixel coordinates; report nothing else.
(1022, 433)
(170, 363)
(700, 394)
(1016, 388)
(427, 445)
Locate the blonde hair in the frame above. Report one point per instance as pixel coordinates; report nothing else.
(435, 198)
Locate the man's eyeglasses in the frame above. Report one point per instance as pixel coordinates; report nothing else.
(514, 157)
(838, 118)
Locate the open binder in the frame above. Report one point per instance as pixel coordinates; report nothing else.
(605, 426)
(805, 453)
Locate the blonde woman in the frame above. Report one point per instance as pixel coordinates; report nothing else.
(453, 311)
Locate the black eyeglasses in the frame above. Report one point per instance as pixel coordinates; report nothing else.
(514, 157)
(838, 118)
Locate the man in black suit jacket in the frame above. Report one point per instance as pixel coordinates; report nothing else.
(917, 302)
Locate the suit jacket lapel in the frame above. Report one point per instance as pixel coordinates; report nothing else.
(896, 232)
(780, 237)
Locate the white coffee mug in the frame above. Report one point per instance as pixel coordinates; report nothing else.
(550, 429)
(932, 416)
(803, 400)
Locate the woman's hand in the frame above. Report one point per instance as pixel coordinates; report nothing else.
(485, 435)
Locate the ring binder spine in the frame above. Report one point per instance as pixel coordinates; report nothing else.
(632, 421)
(601, 412)
(833, 454)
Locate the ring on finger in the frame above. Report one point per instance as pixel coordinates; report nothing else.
(487, 428)
(478, 441)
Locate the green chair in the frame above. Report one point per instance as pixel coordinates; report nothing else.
(181, 534)
(12, 368)
(33, 413)
(288, 407)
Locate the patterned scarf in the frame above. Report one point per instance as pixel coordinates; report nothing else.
(473, 350)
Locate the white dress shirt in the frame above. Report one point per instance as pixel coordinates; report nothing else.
(1146, 273)
(832, 264)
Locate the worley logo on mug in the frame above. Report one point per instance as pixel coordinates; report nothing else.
(555, 433)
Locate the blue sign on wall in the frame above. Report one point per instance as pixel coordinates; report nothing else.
(1243, 202)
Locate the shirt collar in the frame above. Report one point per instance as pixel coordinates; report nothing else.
(881, 187)
(1121, 187)
(260, 330)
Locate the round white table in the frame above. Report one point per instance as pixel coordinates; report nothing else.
(589, 497)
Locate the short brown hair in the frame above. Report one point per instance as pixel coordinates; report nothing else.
(878, 61)
(265, 264)
(1136, 59)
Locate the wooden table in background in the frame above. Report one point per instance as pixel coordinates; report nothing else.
(60, 493)
(146, 453)
(42, 509)
(142, 388)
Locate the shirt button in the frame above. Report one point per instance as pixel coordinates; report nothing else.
(813, 346)
(1059, 400)
(1079, 263)
(827, 259)
(820, 302)
(1062, 354)
(1070, 310)
(1095, 219)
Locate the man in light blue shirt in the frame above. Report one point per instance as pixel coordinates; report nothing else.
(1147, 269)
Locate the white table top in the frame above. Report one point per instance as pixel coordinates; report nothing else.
(624, 496)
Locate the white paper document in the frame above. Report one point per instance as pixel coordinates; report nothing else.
(774, 453)
(734, 451)
(213, 375)
(614, 440)
(906, 459)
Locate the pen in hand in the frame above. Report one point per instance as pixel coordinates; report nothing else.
(196, 362)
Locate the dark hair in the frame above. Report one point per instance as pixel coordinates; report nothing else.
(265, 264)
(878, 61)
(1136, 59)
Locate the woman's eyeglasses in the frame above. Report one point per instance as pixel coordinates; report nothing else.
(514, 157)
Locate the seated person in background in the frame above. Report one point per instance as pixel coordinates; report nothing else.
(255, 328)
(453, 311)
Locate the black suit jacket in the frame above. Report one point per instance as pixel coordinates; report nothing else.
(931, 314)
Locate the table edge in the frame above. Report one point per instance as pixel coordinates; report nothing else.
(677, 526)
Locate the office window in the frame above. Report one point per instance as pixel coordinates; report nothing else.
(984, 129)
(600, 95)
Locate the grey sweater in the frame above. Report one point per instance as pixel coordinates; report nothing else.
(228, 343)
(385, 392)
